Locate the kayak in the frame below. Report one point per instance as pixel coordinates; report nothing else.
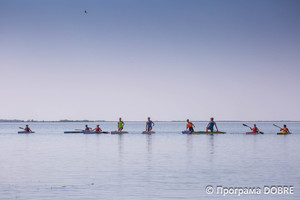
(118, 132)
(94, 132)
(24, 132)
(209, 133)
(282, 133)
(85, 132)
(73, 132)
(148, 132)
(252, 133)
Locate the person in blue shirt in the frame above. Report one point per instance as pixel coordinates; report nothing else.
(149, 125)
(87, 128)
(211, 124)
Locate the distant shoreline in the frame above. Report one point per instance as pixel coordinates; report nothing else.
(92, 121)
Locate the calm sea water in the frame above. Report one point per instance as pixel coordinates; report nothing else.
(167, 165)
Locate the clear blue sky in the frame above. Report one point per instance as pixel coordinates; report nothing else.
(169, 59)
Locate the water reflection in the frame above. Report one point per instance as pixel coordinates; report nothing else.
(189, 143)
(149, 151)
(120, 147)
(189, 150)
(211, 144)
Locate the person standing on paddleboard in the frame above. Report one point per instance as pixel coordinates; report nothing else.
(87, 128)
(120, 124)
(189, 125)
(149, 125)
(285, 129)
(210, 125)
(27, 129)
(97, 129)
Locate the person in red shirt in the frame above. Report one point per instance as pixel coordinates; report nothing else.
(254, 129)
(189, 125)
(98, 129)
(27, 129)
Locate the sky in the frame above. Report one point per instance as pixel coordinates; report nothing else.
(167, 59)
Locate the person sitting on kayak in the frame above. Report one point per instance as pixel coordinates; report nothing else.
(120, 124)
(87, 128)
(98, 129)
(189, 125)
(210, 125)
(254, 129)
(285, 129)
(149, 125)
(27, 129)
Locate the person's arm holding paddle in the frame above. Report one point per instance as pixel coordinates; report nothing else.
(29, 130)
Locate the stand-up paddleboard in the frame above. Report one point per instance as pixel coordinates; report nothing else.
(25, 132)
(208, 133)
(283, 133)
(118, 132)
(186, 132)
(148, 132)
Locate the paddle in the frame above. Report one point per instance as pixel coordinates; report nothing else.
(246, 125)
(276, 126)
(251, 128)
(104, 132)
(21, 128)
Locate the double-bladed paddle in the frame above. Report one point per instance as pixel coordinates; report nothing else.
(276, 126)
(251, 128)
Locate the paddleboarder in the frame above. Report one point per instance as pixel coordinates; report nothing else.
(149, 125)
(189, 126)
(211, 124)
(120, 124)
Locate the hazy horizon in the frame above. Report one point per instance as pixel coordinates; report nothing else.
(103, 120)
(170, 60)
